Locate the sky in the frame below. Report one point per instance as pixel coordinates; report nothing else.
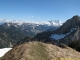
(39, 10)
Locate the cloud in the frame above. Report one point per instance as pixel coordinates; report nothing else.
(38, 17)
(32, 16)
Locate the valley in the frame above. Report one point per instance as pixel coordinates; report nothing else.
(13, 31)
(60, 43)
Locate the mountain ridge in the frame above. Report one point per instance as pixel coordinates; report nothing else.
(20, 22)
(49, 44)
(12, 32)
(68, 32)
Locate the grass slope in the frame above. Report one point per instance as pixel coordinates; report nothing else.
(40, 51)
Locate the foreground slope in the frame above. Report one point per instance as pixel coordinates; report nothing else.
(39, 51)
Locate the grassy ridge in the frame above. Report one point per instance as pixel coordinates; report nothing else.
(40, 51)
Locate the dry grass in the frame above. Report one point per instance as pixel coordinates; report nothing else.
(41, 51)
(56, 52)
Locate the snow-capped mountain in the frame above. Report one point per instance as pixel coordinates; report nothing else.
(15, 30)
(20, 22)
(67, 33)
(55, 22)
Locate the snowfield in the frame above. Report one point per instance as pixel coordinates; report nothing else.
(60, 36)
(3, 51)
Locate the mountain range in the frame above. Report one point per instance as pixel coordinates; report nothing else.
(13, 31)
(62, 43)
(67, 33)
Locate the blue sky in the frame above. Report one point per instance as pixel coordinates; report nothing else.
(39, 10)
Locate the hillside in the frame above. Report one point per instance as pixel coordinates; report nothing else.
(10, 35)
(13, 31)
(40, 51)
(67, 33)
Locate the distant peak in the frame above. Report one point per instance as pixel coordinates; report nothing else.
(20, 22)
(53, 21)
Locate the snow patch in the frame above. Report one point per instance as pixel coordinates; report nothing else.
(60, 36)
(56, 36)
(3, 51)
